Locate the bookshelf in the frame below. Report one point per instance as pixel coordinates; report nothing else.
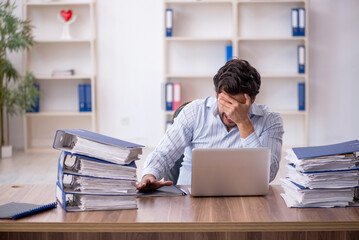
(260, 32)
(59, 99)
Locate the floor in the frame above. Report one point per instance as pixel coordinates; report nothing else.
(41, 167)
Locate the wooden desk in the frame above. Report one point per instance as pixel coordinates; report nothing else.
(180, 218)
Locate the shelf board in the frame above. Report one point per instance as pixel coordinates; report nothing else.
(271, 1)
(219, 39)
(58, 3)
(52, 114)
(55, 40)
(269, 75)
(291, 112)
(271, 38)
(198, 1)
(282, 112)
(189, 76)
(73, 77)
(286, 147)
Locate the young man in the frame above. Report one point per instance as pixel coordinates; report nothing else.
(231, 120)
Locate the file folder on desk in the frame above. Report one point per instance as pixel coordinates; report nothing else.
(96, 145)
(16, 210)
(75, 202)
(327, 150)
(79, 165)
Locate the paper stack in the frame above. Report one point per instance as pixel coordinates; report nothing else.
(95, 172)
(323, 176)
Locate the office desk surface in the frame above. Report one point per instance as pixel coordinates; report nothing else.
(179, 214)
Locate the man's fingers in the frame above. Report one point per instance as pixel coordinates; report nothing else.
(159, 184)
(152, 184)
(225, 106)
(226, 98)
(146, 180)
(167, 183)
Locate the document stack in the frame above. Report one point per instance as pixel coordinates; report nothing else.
(95, 172)
(323, 176)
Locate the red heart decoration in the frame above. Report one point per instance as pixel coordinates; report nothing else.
(66, 15)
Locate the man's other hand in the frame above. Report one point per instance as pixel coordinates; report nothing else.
(149, 182)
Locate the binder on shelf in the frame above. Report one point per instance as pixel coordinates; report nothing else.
(16, 210)
(96, 145)
(36, 107)
(177, 87)
(82, 98)
(301, 96)
(301, 59)
(169, 22)
(301, 22)
(295, 22)
(88, 98)
(229, 52)
(63, 72)
(169, 96)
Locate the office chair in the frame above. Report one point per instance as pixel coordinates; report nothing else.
(173, 173)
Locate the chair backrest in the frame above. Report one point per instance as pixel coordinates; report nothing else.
(178, 110)
(173, 173)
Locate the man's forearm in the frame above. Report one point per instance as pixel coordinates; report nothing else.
(245, 128)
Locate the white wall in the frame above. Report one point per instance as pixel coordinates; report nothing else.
(334, 71)
(130, 71)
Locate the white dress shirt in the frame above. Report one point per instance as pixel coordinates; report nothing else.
(198, 125)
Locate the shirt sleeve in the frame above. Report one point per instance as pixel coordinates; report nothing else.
(172, 144)
(270, 137)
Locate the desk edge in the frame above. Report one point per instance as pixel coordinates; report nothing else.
(10, 226)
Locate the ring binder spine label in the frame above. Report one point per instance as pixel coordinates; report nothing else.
(169, 22)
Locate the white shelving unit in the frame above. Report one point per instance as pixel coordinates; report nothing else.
(260, 32)
(59, 107)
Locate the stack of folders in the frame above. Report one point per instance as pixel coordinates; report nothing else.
(323, 176)
(95, 172)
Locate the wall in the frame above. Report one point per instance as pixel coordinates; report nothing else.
(334, 71)
(130, 71)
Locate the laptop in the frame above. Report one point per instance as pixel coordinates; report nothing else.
(230, 172)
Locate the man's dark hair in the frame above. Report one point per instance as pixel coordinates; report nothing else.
(237, 76)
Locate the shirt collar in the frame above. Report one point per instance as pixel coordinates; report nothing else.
(212, 104)
(255, 110)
